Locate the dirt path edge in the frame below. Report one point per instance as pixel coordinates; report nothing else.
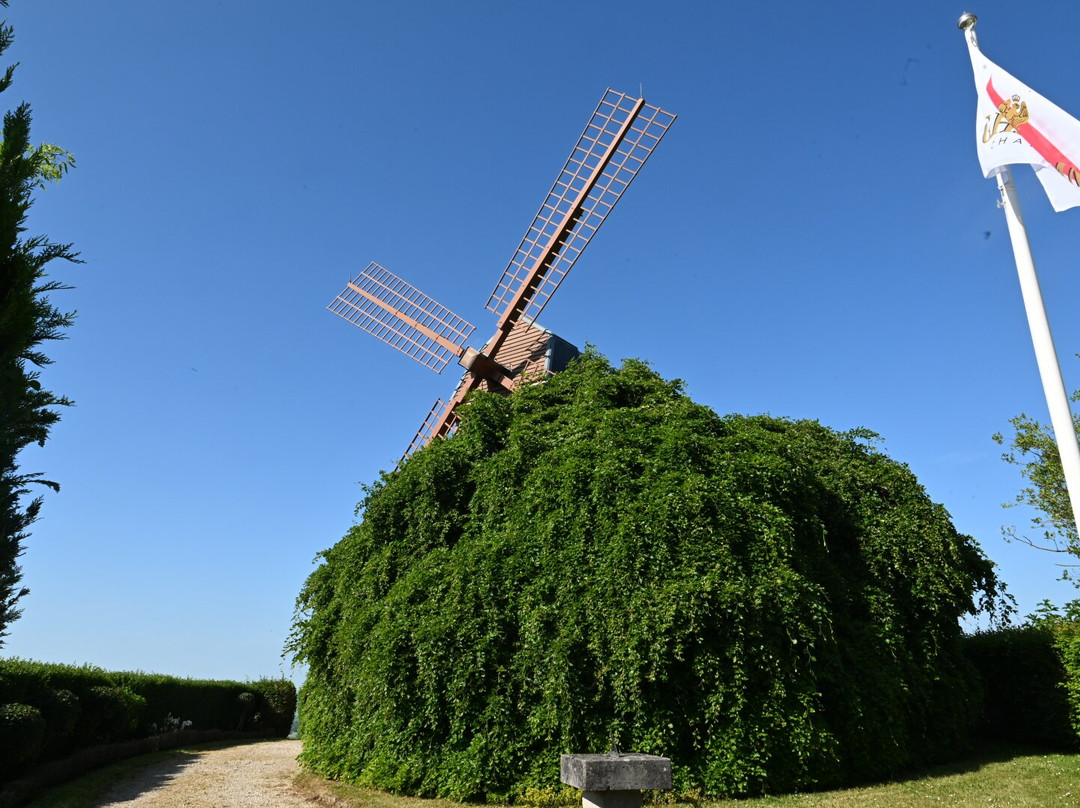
(38, 780)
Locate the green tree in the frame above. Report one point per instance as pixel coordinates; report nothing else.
(27, 320)
(1032, 448)
(771, 603)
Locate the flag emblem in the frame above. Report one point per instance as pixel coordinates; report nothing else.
(1010, 115)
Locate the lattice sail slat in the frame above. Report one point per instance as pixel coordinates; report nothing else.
(427, 429)
(618, 139)
(402, 316)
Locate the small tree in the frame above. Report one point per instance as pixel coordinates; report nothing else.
(27, 319)
(1032, 447)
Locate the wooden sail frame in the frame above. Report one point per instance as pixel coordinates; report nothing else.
(399, 314)
(619, 137)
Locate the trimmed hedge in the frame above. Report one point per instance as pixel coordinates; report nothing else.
(1031, 681)
(1067, 642)
(61, 711)
(76, 707)
(22, 735)
(276, 706)
(108, 714)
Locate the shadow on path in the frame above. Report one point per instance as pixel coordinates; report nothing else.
(147, 778)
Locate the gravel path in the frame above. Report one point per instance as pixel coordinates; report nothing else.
(257, 775)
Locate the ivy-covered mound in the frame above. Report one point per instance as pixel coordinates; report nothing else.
(770, 603)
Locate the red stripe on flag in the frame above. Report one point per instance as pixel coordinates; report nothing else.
(1047, 150)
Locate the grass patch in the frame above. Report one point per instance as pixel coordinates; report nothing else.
(353, 796)
(88, 790)
(993, 778)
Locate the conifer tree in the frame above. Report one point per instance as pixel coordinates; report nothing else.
(27, 320)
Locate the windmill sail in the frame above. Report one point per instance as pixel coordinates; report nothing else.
(440, 416)
(618, 139)
(620, 136)
(385, 306)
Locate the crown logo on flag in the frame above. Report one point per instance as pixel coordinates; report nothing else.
(1016, 113)
(1011, 114)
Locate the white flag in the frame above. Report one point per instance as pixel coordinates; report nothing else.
(1015, 124)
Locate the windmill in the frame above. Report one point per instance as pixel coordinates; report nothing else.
(618, 139)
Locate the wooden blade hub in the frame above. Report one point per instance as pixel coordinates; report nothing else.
(482, 366)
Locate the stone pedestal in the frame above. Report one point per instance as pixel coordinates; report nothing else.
(614, 780)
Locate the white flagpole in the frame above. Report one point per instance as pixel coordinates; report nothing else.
(1057, 400)
(1053, 386)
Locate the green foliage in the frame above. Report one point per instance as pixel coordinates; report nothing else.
(1034, 450)
(109, 714)
(60, 709)
(276, 705)
(27, 320)
(1049, 614)
(53, 162)
(21, 677)
(550, 798)
(1023, 677)
(85, 705)
(1062, 627)
(22, 734)
(1067, 644)
(770, 603)
(202, 704)
(247, 706)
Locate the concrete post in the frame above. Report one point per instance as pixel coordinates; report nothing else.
(614, 780)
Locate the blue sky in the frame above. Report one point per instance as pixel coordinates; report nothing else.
(812, 239)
